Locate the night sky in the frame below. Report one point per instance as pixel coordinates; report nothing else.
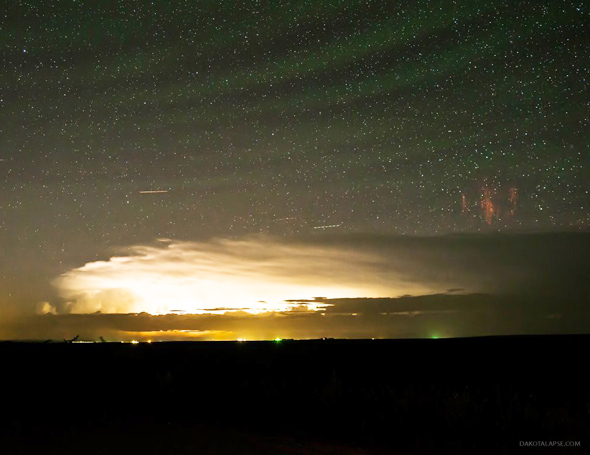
(308, 146)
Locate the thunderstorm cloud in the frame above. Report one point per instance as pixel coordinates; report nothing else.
(252, 275)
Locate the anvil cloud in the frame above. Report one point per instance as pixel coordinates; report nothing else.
(252, 275)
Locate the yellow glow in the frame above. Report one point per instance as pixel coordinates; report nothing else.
(254, 276)
(134, 342)
(175, 334)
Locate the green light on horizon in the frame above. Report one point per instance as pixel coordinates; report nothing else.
(278, 340)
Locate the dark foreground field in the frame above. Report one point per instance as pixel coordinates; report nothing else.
(485, 395)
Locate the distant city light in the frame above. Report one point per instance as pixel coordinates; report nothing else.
(241, 340)
(278, 340)
(135, 342)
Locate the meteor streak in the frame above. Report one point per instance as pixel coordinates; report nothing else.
(328, 226)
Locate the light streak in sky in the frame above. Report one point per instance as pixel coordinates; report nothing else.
(329, 226)
(153, 191)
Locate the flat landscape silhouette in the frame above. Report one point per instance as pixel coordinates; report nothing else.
(318, 396)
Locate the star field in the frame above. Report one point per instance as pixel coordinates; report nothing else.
(123, 122)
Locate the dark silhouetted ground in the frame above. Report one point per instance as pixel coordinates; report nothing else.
(482, 395)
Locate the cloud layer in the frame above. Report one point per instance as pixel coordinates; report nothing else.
(324, 286)
(254, 275)
(258, 274)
